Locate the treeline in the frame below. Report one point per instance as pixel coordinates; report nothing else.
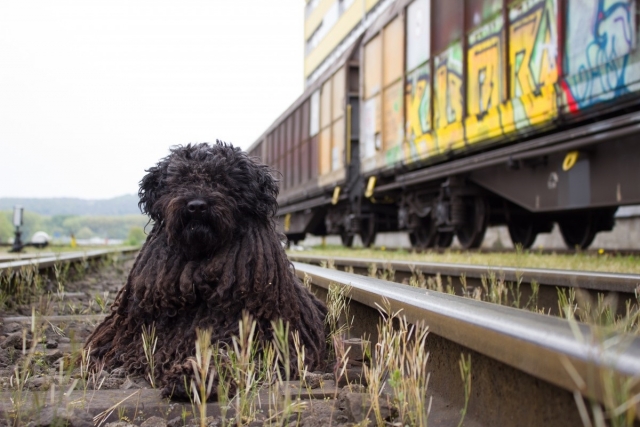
(81, 226)
(122, 205)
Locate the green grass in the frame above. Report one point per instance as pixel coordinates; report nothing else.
(604, 262)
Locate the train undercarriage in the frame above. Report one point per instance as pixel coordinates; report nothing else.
(577, 184)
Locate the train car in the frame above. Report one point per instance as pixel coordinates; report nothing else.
(469, 113)
(314, 146)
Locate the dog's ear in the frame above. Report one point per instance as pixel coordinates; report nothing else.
(268, 189)
(260, 188)
(149, 191)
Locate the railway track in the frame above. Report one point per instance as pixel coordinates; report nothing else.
(48, 261)
(464, 278)
(526, 368)
(541, 251)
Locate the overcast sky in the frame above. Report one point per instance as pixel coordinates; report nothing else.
(94, 92)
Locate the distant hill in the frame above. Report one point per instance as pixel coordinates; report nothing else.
(122, 205)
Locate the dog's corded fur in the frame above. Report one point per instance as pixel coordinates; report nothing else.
(204, 272)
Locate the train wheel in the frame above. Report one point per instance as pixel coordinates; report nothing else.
(578, 231)
(424, 235)
(471, 232)
(347, 239)
(444, 240)
(368, 231)
(523, 231)
(412, 240)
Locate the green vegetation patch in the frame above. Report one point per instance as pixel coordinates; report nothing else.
(82, 227)
(606, 262)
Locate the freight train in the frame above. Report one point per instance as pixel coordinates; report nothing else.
(446, 117)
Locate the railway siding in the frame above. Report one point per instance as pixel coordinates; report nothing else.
(521, 360)
(50, 261)
(588, 280)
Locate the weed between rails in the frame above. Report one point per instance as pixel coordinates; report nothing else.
(36, 379)
(609, 328)
(572, 302)
(608, 331)
(241, 370)
(602, 313)
(25, 285)
(246, 371)
(72, 374)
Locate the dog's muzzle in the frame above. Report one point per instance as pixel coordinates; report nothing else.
(197, 209)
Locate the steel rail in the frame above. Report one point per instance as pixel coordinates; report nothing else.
(50, 261)
(539, 345)
(591, 280)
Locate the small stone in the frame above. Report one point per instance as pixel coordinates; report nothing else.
(357, 407)
(312, 380)
(119, 424)
(12, 327)
(110, 383)
(5, 360)
(128, 384)
(53, 356)
(14, 340)
(154, 422)
(64, 340)
(175, 422)
(52, 344)
(39, 383)
(352, 376)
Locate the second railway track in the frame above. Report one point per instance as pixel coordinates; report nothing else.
(625, 286)
(528, 369)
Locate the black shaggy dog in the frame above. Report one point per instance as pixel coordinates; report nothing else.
(213, 253)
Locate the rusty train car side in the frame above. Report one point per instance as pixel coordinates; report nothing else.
(446, 117)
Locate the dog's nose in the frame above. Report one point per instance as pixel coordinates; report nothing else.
(197, 207)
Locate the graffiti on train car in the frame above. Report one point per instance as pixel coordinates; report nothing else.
(600, 63)
(533, 66)
(419, 141)
(448, 100)
(485, 81)
(533, 52)
(393, 126)
(601, 36)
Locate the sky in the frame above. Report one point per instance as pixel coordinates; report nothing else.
(92, 93)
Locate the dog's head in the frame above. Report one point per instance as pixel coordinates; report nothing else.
(203, 195)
